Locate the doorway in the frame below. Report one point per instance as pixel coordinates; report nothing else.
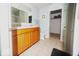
(55, 23)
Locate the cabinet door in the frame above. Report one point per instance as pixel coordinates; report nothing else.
(26, 41)
(19, 44)
(34, 37)
(37, 35)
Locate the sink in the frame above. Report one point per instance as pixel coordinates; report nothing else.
(26, 25)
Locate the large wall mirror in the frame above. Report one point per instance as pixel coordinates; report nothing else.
(19, 16)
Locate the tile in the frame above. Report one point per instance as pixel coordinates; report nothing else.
(44, 47)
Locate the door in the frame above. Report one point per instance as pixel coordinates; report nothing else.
(33, 37)
(19, 43)
(37, 35)
(69, 28)
(23, 42)
(26, 41)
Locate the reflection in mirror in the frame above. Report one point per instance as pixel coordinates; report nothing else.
(30, 19)
(18, 17)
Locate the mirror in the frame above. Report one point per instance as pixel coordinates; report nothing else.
(18, 17)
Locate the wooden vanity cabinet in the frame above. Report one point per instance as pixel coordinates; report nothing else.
(35, 35)
(24, 38)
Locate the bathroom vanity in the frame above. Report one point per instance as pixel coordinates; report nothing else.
(24, 38)
(24, 32)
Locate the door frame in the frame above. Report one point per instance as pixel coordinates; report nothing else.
(60, 24)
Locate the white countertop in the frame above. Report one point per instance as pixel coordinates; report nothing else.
(22, 27)
(26, 27)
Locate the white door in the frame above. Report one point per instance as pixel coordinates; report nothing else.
(69, 28)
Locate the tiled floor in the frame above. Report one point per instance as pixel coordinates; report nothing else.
(44, 47)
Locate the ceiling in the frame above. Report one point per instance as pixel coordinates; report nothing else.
(40, 5)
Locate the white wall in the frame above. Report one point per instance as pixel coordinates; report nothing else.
(55, 26)
(44, 24)
(76, 33)
(4, 29)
